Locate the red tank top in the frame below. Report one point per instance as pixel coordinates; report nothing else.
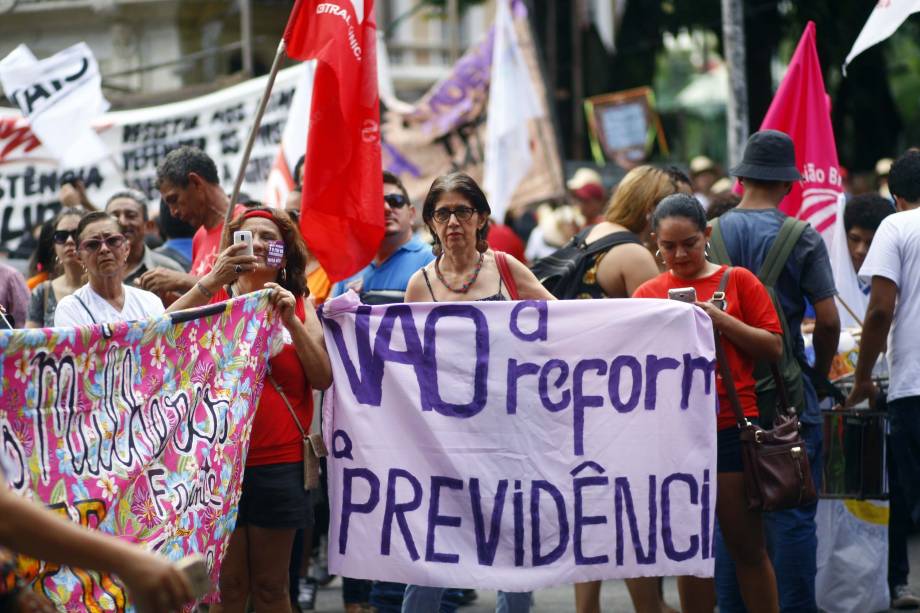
(275, 438)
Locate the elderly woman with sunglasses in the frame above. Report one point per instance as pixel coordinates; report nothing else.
(103, 251)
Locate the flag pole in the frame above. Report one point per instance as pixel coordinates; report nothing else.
(276, 64)
(849, 310)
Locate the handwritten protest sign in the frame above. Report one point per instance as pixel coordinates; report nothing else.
(139, 139)
(136, 429)
(520, 445)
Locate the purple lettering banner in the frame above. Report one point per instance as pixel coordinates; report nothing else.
(136, 429)
(518, 445)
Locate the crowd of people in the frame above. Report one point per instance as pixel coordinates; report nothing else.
(117, 264)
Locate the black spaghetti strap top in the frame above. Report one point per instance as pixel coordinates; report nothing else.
(493, 297)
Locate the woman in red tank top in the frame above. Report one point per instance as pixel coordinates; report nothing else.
(273, 503)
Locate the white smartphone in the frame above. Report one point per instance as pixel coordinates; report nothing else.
(684, 294)
(195, 569)
(243, 236)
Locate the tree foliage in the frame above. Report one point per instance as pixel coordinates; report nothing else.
(866, 115)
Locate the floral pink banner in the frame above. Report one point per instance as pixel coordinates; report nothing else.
(135, 429)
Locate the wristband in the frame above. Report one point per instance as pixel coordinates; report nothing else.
(201, 288)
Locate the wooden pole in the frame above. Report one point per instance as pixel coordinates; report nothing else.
(247, 151)
(453, 24)
(850, 311)
(578, 85)
(246, 36)
(737, 109)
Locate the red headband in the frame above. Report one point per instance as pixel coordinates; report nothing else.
(260, 213)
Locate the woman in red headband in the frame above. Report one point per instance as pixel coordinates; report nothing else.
(274, 503)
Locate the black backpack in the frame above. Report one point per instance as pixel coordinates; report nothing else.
(561, 272)
(770, 269)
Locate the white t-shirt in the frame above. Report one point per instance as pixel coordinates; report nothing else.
(139, 304)
(895, 255)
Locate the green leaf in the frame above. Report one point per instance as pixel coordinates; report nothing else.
(59, 493)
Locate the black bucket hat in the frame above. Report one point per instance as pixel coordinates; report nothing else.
(768, 156)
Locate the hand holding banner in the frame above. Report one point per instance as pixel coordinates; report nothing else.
(138, 429)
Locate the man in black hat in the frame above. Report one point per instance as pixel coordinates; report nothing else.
(768, 172)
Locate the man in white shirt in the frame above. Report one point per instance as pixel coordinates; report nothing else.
(893, 267)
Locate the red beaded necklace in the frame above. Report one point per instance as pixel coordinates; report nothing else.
(469, 282)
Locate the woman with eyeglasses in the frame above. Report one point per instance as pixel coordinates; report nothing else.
(103, 251)
(465, 269)
(66, 274)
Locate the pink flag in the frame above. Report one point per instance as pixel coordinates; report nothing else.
(801, 109)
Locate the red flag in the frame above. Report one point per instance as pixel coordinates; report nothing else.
(801, 109)
(342, 209)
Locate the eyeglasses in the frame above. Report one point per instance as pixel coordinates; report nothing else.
(294, 215)
(462, 213)
(396, 201)
(94, 244)
(60, 236)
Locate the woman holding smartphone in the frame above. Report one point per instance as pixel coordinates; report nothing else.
(750, 330)
(269, 253)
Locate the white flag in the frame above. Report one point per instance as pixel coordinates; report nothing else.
(293, 140)
(845, 279)
(61, 96)
(886, 17)
(512, 103)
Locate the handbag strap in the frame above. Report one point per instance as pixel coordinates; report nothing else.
(727, 380)
(504, 270)
(287, 404)
(85, 308)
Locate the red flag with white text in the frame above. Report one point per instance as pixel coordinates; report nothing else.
(342, 208)
(801, 109)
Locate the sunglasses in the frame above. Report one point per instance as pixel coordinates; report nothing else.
(396, 201)
(462, 213)
(94, 244)
(60, 236)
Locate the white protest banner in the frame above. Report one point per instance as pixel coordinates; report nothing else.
(445, 131)
(517, 445)
(61, 96)
(139, 139)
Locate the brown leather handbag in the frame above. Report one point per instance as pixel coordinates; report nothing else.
(777, 474)
(313, 446)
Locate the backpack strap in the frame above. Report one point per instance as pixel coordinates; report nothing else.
(609, 241)
(779, 252)
(718, 252)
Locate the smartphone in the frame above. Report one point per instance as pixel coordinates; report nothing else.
(684, 294)
(243, 236)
